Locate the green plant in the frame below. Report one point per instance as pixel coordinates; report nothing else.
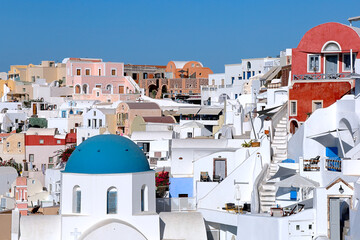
(246, 144)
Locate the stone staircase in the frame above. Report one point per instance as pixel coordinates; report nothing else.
(267, 189)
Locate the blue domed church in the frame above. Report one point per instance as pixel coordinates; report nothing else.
(108, 192)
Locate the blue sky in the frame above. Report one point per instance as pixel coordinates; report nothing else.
(155, 32)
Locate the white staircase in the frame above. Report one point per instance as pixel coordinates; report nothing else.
(267, 189)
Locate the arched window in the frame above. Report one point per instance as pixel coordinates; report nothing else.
(144, 198)
(77, 89)
(76, 199)
(109, 88)
(85, 89)
(331, 46)
(111, 201)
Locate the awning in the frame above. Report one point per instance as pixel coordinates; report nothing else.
(187, 111)
(325, 133)
(210, 111)
(297, 181)
(284, 172)
(265, 111)
(272, 73)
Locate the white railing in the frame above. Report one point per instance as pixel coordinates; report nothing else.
(133, 83)
(175, 204)
(277, 117)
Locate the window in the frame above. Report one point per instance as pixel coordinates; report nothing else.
(134, 76)
(97, 93)
(41, 141)
(293, 108)
(50, 166)
(98, 85)
(297, 227)
(244, 77)
(87, 71)
(189, 135)
(94, 113)
(24, 89)
(33, 78)
(51, 159)
(63, 114)
(58, 141)
(145, 75)
(113, 72)
(7, 144)
(253, 73)
(19, 144)
(99, 71)
(111, 201)
(100, 122)
(347, 65)
(213, 82)
(78, 71)
(144, 198)
(31, 157)
(82, 139)
(76, 199)
(314, 63)
(316, 104)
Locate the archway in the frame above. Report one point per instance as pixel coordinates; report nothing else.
(293, 126)
(85, 89)
(346, 134)
(77, 89)
(222, 97)
(109, 88)
(152, 90)
(164, 92)
(112, 229)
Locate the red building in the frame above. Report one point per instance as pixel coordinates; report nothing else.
(321, 69)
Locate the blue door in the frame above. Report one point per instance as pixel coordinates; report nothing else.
(248, 74)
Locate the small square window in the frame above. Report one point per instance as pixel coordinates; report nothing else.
(78, 72)
(293, 108)
(113, 72)
(58, 141)
(19, 144)
(51, 159)
(297, 227)
(41, 141)
(50, 166)
(87, 72)
(310, 226)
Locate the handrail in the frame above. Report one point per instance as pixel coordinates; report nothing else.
(277, 117)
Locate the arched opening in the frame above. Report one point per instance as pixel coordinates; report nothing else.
(77, 89)
(85, 89)
(222, 98)
(144, 198)
(346, 135)
(111, 203)
(152, 91)
(109, 88)
(164, 91)
(76, 199)
(331, 46)
(293, 126)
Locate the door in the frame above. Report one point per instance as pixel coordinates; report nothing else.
(34, 109)
(331, 64)
(334, 218)
(121, 89)
(248, 74)
(220, 168)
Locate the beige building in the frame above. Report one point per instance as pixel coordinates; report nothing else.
(127, 111)
(13, 147)
(48, 70)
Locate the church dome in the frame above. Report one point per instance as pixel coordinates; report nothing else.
(107, 154)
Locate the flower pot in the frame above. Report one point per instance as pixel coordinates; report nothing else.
(266, 132)
(255, 144)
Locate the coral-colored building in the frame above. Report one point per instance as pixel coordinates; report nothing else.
(181, 78)
(321, 69)
(107, 78)
(21, 195)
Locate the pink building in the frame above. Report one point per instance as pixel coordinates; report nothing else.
(21, 195)
(97, 79)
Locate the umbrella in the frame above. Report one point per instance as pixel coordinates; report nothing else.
(193, 124)
(297, 181)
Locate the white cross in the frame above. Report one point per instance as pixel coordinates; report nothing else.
(75, 233)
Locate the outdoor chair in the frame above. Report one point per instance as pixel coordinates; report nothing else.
(204, 177)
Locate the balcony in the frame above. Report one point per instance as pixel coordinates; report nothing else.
(333, 164)
(175, 204)
(311, 164)
(351, 167)
(318, 76)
